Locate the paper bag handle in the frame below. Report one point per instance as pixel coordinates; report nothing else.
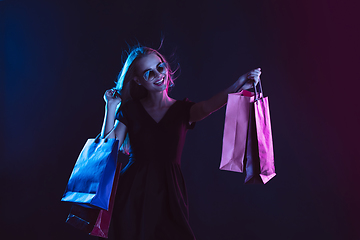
(107, 135)
(258, 93)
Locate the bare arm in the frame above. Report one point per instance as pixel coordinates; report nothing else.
(120, 132)
(203, 109)
(112, 102)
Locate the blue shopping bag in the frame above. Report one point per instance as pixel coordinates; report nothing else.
(95, 222)
(92, 178)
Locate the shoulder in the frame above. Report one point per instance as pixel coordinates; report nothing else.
(124, 108)
(127, 104)
(186, 102)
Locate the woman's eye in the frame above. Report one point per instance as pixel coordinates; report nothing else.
(146, 75)
(160, 69)
(151, 74)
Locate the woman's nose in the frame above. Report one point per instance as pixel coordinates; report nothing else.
(158, 74)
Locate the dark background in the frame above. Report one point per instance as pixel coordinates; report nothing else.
(59, 57)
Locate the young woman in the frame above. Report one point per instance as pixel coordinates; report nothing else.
(151, 200)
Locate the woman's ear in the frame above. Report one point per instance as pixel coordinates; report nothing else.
(136, 79)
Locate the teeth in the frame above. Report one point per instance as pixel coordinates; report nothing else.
(160, 81)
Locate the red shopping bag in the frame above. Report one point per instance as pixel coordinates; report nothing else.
(247, 140)
(95, 222)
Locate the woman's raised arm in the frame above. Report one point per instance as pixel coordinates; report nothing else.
(112, 102)
(203, 109)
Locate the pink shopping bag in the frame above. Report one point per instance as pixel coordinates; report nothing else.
(247, 140)
(235, 131)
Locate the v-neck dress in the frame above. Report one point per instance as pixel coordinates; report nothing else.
(151, 200)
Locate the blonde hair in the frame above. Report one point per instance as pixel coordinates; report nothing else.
(127, 87)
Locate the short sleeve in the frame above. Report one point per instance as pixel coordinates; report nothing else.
(187, 106)
(121, 114)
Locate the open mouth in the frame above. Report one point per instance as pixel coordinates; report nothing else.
(159, 82)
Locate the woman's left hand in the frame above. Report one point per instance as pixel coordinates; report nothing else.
(248, 79)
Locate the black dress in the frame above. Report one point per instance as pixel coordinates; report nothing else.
(151, 200)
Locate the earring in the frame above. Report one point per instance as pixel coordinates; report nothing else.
(137, 82)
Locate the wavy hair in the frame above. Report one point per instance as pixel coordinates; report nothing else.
(128, 88)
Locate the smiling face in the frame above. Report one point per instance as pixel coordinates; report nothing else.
(151, 67)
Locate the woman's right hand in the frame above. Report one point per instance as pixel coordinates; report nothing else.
(248, 79)
(112, 97)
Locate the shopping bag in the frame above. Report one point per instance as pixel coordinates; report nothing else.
(102, 224)
(259, 157)
(247, 140)
(92, 178)
(93, 221)
(235, 131)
